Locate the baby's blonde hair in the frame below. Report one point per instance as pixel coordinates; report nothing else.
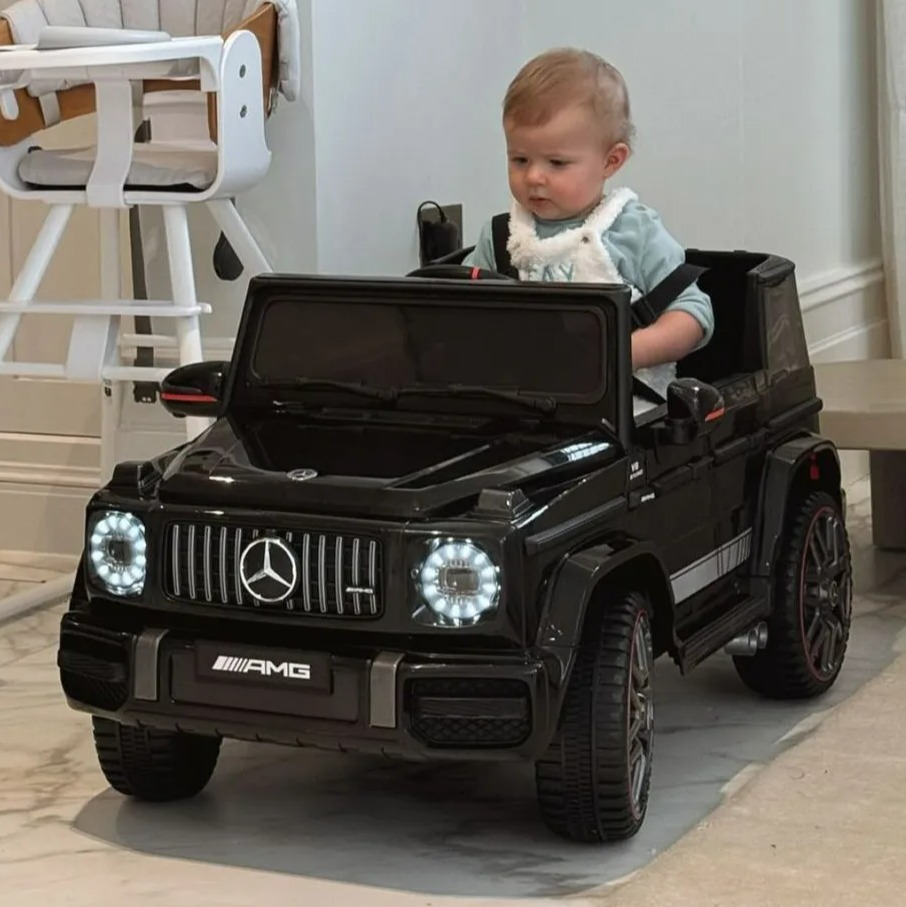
(566, 76)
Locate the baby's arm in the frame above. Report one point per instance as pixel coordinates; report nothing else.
(482, 256)
(688, 321)
(674, 335)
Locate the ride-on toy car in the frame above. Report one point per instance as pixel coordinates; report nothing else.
(425, 523)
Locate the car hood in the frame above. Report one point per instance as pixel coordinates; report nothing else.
(284, 462)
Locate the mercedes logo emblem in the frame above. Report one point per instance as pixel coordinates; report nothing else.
(268, 570)
(302, 475)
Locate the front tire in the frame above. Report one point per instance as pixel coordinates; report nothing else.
(594, 780)
(809, 627)
(154, 765)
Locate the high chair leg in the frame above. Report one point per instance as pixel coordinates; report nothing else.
(110, 253)
(33, 270)
(111, 391)
(182, 279)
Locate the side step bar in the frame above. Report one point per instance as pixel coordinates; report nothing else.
(739, 619)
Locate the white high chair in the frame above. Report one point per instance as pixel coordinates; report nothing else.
(61, 59)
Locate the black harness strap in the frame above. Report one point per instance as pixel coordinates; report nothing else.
(648, 308)
(500, 233)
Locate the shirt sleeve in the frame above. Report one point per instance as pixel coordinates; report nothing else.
(482, 256)
(649, 254)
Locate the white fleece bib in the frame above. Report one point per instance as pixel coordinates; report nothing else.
(578, 255)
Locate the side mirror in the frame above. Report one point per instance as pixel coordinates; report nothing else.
(692, 406)
(194, 389)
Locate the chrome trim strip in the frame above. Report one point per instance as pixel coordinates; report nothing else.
(339, 594)
(372, 575)
(322, 572)
(208, 594)
(356, 575)
(306, 571)
(224, 590)
(191, 561)
(175, 541)
(237, 554)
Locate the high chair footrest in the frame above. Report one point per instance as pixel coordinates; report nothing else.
(135, 373)
(156, 309)
(57, 372)
(32, 370)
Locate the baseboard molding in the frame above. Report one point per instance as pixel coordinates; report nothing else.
(864, 341)
(43, 518)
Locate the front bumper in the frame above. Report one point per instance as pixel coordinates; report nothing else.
(498, 707)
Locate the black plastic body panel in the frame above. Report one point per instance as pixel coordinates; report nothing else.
(569, 506)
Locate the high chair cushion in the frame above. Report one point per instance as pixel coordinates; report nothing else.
(153, 168)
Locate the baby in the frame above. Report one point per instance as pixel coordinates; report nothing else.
(566, 117)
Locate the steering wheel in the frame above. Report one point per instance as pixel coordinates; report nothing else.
(458, 272)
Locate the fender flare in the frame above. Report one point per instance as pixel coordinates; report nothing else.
(782, 467)
(573, 586)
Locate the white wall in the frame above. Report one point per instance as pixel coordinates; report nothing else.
(407, 95)
(756, 129)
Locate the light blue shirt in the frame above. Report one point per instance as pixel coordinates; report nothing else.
(642, 251)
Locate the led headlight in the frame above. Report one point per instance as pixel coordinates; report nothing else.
(116, 552)
(459, 583)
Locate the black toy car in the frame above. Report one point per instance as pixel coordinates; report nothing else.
(425, 523)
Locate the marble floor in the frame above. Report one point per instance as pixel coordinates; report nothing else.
(278, 823)
(23, 570)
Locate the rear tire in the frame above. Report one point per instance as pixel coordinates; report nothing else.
(154, 765)
(809, 627)
(594, 780)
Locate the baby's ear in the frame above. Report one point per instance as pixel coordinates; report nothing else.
(616, 156)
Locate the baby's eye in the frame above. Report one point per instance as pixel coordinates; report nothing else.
(518, 160)
(557, 162)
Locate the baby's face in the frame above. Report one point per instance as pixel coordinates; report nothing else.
(557, 170)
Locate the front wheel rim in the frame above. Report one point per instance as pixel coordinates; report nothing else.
(640, 718)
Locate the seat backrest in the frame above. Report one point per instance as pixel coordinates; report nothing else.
(179, 18)
(735, 346)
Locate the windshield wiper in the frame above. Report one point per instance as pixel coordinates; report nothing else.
(543, 404)
(364, 390)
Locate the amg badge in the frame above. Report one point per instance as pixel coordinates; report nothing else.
(263, 666)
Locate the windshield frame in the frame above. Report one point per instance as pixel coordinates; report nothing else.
(608, 303)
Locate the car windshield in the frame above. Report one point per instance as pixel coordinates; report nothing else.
(557, 352)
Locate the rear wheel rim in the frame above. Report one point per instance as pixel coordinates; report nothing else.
(825, 593)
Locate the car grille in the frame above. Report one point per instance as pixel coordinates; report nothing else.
(339, 575)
